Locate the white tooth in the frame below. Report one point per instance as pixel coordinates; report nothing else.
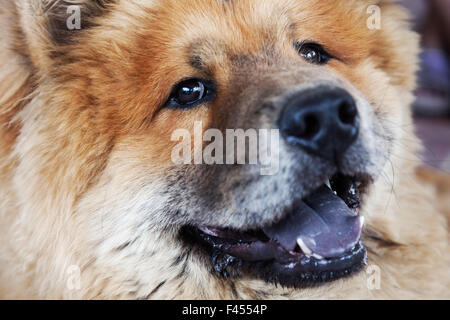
(303, 246)
(361, 221)
(327, 183)
(317, 256)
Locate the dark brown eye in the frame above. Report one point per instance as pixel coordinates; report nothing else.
(313, 53)
(190, 92)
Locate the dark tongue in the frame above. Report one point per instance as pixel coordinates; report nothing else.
(323, 222)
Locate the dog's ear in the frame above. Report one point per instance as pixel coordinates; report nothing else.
(401, 61)
(66, 18)
(49, 24)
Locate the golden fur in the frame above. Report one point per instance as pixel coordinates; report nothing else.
(83, 139)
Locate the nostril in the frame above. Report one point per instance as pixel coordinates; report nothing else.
(347, 113)
(307, 126)
(312, 126)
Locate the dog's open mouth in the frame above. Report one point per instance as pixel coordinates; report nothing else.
(318, 241)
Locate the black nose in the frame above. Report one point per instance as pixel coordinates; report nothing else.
(323, 121)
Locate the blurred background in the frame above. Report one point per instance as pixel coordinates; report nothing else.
(431, 18)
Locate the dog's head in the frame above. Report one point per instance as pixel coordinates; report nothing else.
(318, 88)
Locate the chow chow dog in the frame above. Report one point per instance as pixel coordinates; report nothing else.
(93, 206)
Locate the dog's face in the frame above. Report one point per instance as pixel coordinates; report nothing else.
(314, 70)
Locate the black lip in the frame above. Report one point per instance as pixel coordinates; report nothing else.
(279, 266)
(310, 271)
(253, 253)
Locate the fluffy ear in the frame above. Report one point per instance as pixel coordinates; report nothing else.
(398, 35)
(47, 24)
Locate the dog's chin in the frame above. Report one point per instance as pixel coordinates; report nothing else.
(317, 240)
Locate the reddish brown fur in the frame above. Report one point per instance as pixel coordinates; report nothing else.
(69, 112)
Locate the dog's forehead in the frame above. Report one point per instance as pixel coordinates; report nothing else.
(239, 22)
(210, 27)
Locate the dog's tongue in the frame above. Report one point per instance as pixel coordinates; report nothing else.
(322, 225)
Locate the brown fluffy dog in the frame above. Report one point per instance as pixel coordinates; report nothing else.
(91, 205)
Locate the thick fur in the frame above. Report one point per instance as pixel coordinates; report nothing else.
(86, 177)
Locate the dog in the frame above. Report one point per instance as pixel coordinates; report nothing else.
(93, 206)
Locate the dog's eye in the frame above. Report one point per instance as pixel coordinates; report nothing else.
(313, 53)
(191, 92)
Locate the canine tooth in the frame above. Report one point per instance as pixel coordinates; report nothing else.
(317, 256)
(303, 246)
(361, 221)
(327, 183)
